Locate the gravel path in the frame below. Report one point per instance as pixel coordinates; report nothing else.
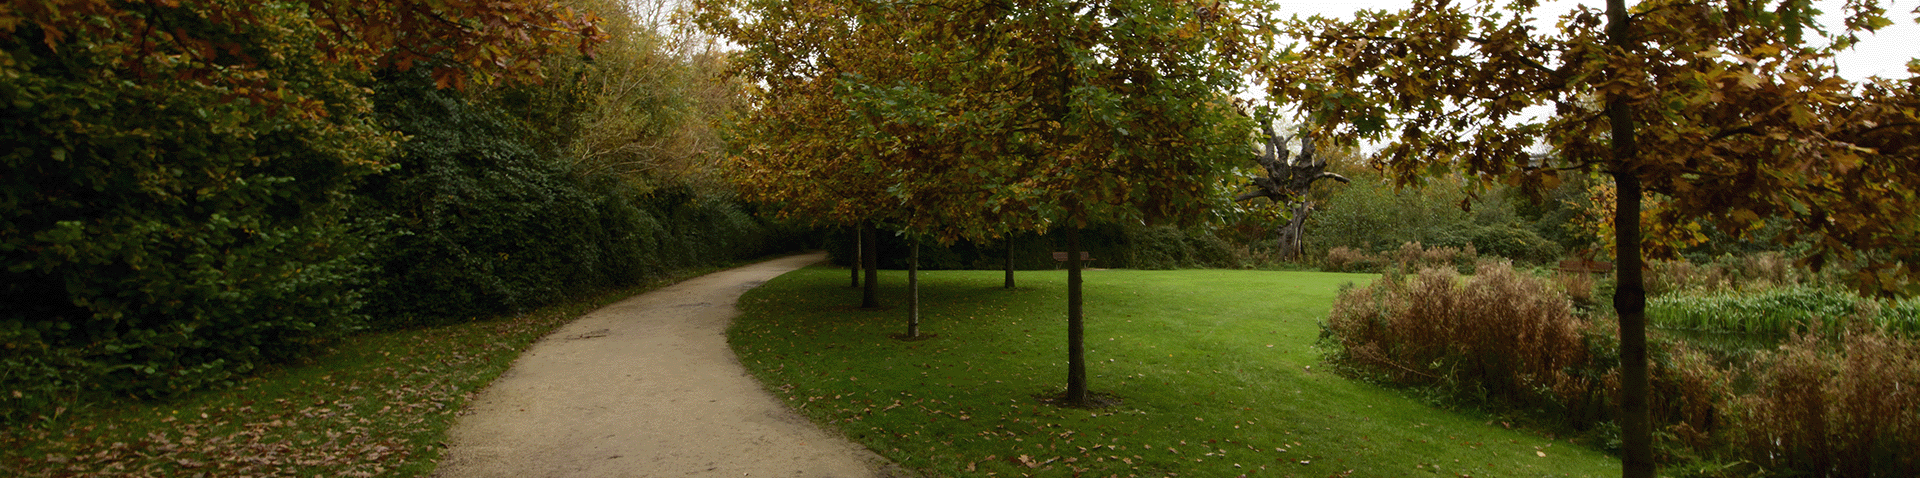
(647, 387)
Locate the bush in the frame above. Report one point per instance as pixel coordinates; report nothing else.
(161, 235)
(1498, 335)
(1823, 404)
(1851, 413)
(1347, 259)
(476, 222)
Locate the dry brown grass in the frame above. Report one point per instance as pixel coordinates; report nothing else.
(1845, 406)
(1579, 286)
(1854, 411)
(1753, 271)
(1508, 335)
(1347, 259)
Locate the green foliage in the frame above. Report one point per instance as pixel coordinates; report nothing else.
(1371, 215)
(1776, 311)
(1508, 341)
(1839, 401)
(167, 232)
(475, 222)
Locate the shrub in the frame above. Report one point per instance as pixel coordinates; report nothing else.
(1347, 259)
(1854, 412)
(1507, 339)
(477, 222)
(159, 234)
(1498, 334)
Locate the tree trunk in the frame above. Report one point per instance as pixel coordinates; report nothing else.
(870, 260)
(1289, 235)
(1076, 326)
(1009, 262)
(1630, 295)
(913, 289)
(859, 256)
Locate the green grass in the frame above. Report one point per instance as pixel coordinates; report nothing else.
(1217, 372)
(375, 405)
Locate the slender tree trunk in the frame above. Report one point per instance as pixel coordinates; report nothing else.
(1009, 260)
(1630, 295)
(859, 257)
(913, 289)
(870, 260)
(1076, 325)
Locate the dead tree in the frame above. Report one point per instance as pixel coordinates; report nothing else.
(1289, 178)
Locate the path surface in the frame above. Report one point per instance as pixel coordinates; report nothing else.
(647, 387)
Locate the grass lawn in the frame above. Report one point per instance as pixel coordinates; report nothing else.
(1216, 371)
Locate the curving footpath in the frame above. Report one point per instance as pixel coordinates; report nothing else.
(647, 387)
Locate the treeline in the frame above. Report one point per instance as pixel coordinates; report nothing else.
(193, 190)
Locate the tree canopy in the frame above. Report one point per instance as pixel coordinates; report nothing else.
(1725, 108)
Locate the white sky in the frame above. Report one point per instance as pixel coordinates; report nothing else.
(1883, 54)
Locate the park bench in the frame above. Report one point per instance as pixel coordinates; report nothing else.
(1061, 257)
(1586, 266)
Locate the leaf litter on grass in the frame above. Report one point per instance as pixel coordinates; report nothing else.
(1217, 402)
(377, 405)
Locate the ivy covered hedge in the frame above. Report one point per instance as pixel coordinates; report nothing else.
(161, 239)
(160, 236)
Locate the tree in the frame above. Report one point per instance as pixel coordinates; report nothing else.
(1722, 107)
(1288, 180)
(975, 119)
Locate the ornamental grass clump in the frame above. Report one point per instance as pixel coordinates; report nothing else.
(1508, 339)
(1499, 334)
(1773, 311)
(1835, 407)
(1347, 259)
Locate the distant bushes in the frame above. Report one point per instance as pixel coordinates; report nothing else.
(1411, 256)
(1498, 335)
(223, 239)
(1111, 246)
(1371, 216)
(1844, 403)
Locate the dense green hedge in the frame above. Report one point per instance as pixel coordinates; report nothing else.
(149, 264)
(159, 234)
(476, 221)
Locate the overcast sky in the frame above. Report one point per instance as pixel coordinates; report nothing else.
(1885, 53)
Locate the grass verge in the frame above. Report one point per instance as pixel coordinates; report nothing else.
(1216, 372)
(375, 405)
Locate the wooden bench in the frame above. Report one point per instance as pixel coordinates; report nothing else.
(1584, 266)
(1062, 257)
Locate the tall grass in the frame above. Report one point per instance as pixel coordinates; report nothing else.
(1780, 311)
(1841, 398)
(1835, 407)
(1497, 334)
(1410, 256)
